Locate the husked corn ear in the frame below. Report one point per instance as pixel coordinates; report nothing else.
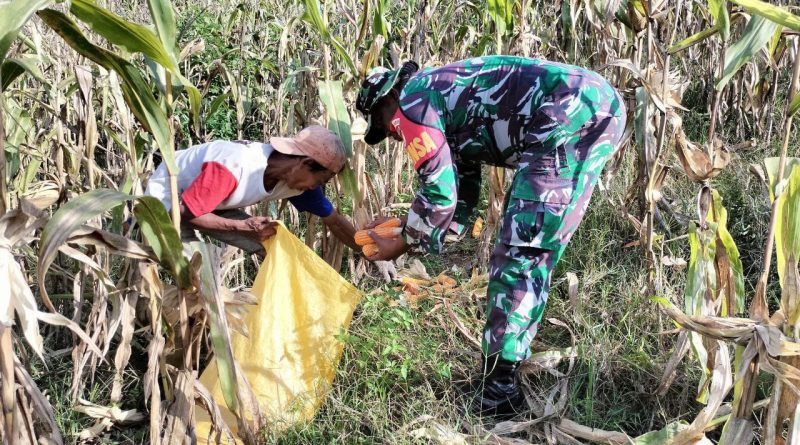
(362, 236)
(477, 228)
(394, 222)
(417, 281)
(370, 249)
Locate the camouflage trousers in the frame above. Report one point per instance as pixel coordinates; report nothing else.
(544, 205)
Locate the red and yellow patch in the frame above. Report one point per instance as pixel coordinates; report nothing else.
(421, 148)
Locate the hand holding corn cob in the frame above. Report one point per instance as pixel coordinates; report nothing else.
(387, 229)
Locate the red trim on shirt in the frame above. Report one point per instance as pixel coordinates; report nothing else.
(421, 141)
(214, 184)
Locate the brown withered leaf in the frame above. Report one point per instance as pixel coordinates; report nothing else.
(698, 163)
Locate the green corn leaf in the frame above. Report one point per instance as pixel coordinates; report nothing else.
(693, 39)
(774, 13)
(480, 48)
(775, 43)
(787, 231)
(163, 16)
(639, 5)
(664, 436)
(330, 92)
(700, 282)
(313, 16)
(787, 242)
(737, 271)
(134, 37)
(379, 25)
(12, 68)
(66, 220)
(794, 105)
(13, 15)
(207, 279)
(158, 230)
(350, 184)
(195, 98)
(138, 94)
(772, 165)
(337, 45)
(216, 103)
(501, 13)
(756, 35)
(719, 10)
(131, 36)
(738, 384)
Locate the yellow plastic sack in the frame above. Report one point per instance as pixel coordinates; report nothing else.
(291, 353)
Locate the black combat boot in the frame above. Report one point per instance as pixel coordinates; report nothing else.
(497, 390)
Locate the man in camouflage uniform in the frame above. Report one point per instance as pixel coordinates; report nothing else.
(556, 124)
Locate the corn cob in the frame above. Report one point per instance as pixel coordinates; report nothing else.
(394, 222)
(362, 236)
(417, 281)
(477, 228)
(370, 249)
(446, 281)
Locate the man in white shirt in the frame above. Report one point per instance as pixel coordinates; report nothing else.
(219, 178)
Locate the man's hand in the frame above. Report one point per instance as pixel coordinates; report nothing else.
(388, 248)
(259, 228)
(342, 228)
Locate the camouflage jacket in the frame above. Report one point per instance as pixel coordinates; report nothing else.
(484, 110)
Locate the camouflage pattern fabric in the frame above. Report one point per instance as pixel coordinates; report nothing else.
(544, 206)
(488, 110)
(556, 124)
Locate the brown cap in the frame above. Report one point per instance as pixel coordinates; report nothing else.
(316, 142)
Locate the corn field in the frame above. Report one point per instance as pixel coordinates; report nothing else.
(96, 94)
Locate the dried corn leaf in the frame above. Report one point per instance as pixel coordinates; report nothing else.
(415, 269)
(180, 419)
(113, 413)
(671, 261)
(737, 431)
(700, 164)
(719, 328)
(572, 291)
(721, 382)
(127, 321)
(116, 244)
(596, 435)
(218, 425)
(39, 406)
